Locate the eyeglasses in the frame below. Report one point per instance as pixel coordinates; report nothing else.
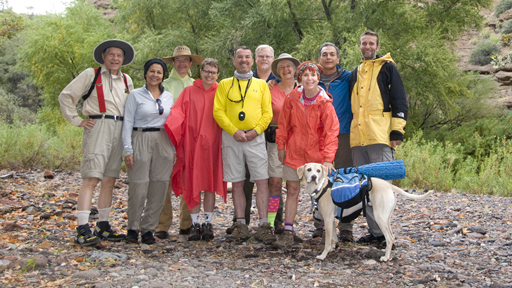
(209, 72)
(160, 108)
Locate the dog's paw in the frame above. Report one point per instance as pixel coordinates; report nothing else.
(320, 257)
(385, 259)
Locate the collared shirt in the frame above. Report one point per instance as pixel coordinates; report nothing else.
(115, 95)
(270, 77)
(141, 111)
(257, 105)
(175, 83)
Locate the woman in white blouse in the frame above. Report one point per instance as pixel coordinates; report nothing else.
(149, 154)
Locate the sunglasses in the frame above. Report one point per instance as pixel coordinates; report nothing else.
(160, 108)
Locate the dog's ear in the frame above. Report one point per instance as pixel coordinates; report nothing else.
(300, 171)
(325, 171)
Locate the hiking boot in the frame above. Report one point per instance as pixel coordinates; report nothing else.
(196, 232)
(264, 234)
(319, 232)
(132, 237)
(84, 236)
(185, 231)
(161, 235)
(346, 236)
(370, 239)
(286, 240)
(207, 231)
(279, 229)
(230, 229)
(105, 232)
(240, 233)
(148, 238)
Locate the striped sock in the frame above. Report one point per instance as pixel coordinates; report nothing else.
(288, 226)
(273, 205)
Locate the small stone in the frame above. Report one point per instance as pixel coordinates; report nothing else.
(48, 175)
(437, 243)
(87, 274)
(72, 201)
(7, 176)
(475, 235)
(30, 218)
(5, 262)
(41, 262)
(12, 246)
(477, 229)
(436, 256)
(45, 216)
(113, 274)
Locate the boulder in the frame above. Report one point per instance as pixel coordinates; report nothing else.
(505, 16)
(504, 77)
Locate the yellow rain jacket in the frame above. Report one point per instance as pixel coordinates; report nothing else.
(379, 103)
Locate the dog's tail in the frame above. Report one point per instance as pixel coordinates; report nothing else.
(411, 196)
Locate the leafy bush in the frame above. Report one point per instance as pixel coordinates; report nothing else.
(503, 6)
(483, 51)
(506, 39)
(35, 146)
(507, 27)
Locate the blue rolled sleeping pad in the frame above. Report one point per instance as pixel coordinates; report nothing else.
(390, 170)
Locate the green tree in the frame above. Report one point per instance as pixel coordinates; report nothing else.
(59, 47)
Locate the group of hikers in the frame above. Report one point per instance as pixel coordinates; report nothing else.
(190, 137)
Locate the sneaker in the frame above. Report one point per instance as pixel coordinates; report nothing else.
(148, 238)
(207, 231)
(84, 236)
(132, 237)
(185, 231)
(265, 235)
(286, 240)
(196, 232)
(105, 232)
(230, 229)
(279, 229)
(319, 232)
(240, 233)
(370, 239)
(346, 236)
(161, 235)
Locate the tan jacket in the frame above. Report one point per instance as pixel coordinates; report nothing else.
(115, 97)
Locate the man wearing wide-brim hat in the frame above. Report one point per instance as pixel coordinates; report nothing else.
(179, 78)
(107, 89)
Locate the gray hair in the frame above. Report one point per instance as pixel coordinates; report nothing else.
(262, 47)
(328, 44)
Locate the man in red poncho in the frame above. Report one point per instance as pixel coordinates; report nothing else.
(197, 139)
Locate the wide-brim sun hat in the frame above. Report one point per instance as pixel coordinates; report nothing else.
(284, 56)
(183, 51)
(129, 52)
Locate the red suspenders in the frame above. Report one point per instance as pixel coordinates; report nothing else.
(99, 89)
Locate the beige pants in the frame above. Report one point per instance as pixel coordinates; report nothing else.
(165, 220)
(102, 149)
(153, 158)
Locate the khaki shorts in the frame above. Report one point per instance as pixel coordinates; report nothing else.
(102, 149)
(275, 167)
(153, 157)
(290, 174)
(236, 154)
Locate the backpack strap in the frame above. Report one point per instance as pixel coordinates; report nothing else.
(126, 84)
(97, 72)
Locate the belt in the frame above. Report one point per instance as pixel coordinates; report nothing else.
(147, 129)
(103, 116)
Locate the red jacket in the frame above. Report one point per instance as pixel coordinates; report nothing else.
(309, 134)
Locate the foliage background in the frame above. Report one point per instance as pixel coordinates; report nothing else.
(40, 55)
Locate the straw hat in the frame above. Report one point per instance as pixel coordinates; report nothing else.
(284, 56)
(183, 51)
(129, 52)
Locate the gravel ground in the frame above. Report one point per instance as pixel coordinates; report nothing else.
(447, 240)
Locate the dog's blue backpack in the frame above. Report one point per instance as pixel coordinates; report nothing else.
(350, 193)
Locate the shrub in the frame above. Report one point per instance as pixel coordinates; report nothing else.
(483, 51)
(506, 39)
(507, 27)
(503, 6)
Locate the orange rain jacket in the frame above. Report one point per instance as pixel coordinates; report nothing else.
(309, 134)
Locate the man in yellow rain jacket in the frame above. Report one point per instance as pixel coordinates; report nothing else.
(379, 108)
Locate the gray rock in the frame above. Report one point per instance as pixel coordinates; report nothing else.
(5, 262)
(12, 246)
(126, 272)
(87, 274)
(100, 255)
